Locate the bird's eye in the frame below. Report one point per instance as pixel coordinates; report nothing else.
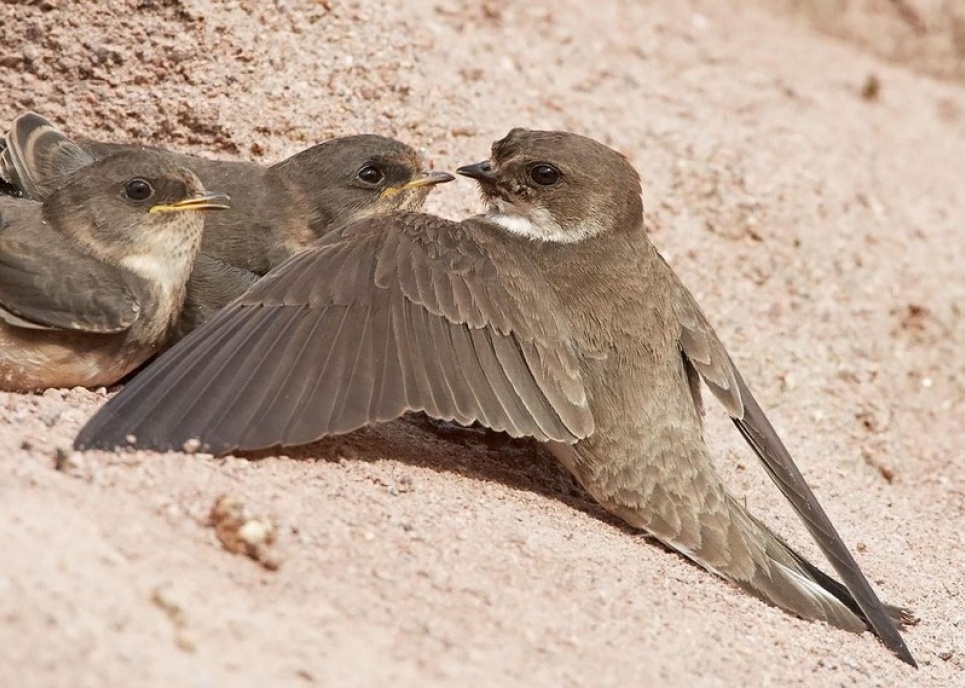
(544, 175)
(370, 174)
(138, 190)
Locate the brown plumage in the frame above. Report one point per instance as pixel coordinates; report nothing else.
(276, 211)
(552, 316)
(93, 279)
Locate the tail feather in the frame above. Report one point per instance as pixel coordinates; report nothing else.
(699, 519)
(786, 579)
(900, 615)
(37, 157)
(6, 187)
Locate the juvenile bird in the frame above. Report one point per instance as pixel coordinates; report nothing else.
(275, 212)
(92, 280)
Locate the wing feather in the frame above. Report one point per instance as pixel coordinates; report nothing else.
(91, 297)
(391, 314)
(706, 354)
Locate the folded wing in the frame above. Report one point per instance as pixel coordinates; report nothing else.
(34, 293)
(706, 354)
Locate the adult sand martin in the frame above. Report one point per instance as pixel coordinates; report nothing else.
(92, 280)
(275, 211)
(551, 316)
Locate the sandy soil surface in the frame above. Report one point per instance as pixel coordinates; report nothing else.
(928, 35)
(809, 192)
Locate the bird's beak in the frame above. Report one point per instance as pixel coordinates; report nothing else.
(428, 179)
(481, 171)
(211, 200)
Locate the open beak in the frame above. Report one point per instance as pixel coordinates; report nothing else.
(428, 179)
(481, 171)
(211, 200)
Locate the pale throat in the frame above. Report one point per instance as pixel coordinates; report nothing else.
(168, 275)
(538, 224)
(166, 257)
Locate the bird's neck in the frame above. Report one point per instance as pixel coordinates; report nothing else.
(613, 257)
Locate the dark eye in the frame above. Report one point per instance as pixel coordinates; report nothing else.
(544, 175)
(370, 174)
(138, 190)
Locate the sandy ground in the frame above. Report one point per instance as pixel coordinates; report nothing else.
(808, 189)
(928, 35)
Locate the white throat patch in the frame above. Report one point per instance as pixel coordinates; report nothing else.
(539, 225)
(168, 256)
(168, 275)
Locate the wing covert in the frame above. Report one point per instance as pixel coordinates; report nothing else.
(90, 297)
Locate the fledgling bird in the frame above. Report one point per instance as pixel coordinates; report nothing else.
(275, 212)
(551, 316)
(92, 280)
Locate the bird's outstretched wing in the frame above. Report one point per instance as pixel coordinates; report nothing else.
(398, 313)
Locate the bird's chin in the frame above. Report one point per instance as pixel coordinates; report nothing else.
(403, 201)
(502, 206)
(492, 199)
(413, 199)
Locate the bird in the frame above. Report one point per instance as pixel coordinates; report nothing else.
(552, 316)
(276, 211)
(92, 280)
